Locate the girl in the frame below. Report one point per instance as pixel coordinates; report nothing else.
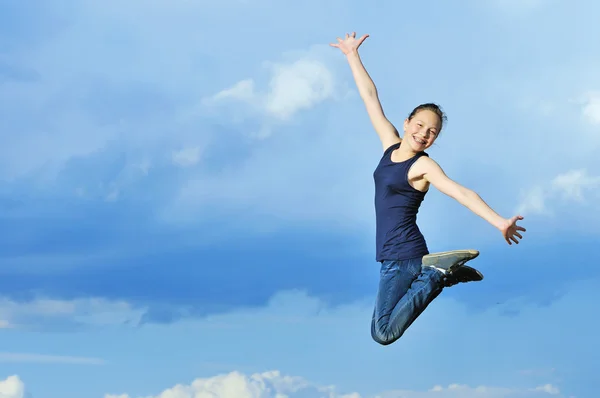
(410, 277)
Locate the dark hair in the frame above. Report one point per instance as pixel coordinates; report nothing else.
(429, 107)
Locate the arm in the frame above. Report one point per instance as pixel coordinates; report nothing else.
(368, 92)
(434, 174)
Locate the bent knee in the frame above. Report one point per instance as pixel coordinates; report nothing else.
(383, 342)
(383, 337)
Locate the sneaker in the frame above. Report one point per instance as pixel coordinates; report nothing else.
(462, 274)
(450, 260)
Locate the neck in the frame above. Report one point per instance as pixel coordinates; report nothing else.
(406, 149)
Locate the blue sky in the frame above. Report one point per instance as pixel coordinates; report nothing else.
(186, 192)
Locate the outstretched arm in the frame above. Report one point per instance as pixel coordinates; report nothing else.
(433, 173)
(367, 90)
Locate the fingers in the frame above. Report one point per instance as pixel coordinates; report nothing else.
(336, 45)
(353, 36)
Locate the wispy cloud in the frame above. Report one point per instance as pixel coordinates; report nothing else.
(41, 358)
(571, 186)
(87, 311)
(591, 108)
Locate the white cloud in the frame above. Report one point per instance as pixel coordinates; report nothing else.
(275, 385)
(591, 108)
(42, 358)
(12, 387)
(533, 201)
(87, 311)
(573, 185)
(241, 91)
(294, 85)
(298, 86)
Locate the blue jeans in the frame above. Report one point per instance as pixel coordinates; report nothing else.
(405, 290)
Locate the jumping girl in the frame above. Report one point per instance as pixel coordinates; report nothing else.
(411, 277)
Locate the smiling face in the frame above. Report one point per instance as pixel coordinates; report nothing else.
(422, 129)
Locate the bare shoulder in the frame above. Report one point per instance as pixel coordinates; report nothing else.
(423, 165)
(428, 169)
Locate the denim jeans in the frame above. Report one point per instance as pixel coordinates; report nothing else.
(405, 290)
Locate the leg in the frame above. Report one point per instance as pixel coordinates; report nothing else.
(405, 290)
(407, 287)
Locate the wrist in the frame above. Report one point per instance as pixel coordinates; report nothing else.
(500, 223)
(352, 54)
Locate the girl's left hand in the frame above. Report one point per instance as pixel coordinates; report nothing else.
(510, 230)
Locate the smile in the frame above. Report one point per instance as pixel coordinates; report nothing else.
(420, 141)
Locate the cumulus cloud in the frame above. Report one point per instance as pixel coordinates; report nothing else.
(84, 311)
(571, 186)
(294, 85)
(12, 387)
(298, 86)
(273, 384)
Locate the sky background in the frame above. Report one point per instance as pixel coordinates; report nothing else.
(187, 198)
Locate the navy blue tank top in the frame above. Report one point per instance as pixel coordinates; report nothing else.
(396, 206)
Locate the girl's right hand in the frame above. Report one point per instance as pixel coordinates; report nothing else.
(349, 44)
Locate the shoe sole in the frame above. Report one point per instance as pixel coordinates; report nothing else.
(472, 270)
(464, 271)
(449, 260)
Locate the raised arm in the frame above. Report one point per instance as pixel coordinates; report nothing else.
(368, 92)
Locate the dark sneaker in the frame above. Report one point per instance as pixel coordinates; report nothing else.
(462, 274)
(450, 260)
